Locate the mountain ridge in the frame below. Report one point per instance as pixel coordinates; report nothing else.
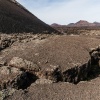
(80, 23)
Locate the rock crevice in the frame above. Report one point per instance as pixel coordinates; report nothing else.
(84, 72)
(20, 73)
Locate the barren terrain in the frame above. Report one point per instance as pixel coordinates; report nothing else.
(60, 50)
(39, 63)
(56, 50)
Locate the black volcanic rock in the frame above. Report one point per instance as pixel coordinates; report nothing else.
(14, 18)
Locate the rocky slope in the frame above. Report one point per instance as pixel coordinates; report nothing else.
(14, 18)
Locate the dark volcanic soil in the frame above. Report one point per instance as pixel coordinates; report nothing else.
(14, 18)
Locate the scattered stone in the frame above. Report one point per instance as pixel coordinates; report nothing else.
(46, 61)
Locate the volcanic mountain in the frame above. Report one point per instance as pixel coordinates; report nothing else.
(55, 25)
(97, 23)
(80, 23)
(14, 18)
(83, 23)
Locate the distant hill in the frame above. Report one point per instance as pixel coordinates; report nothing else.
(81, 23)
(97, 23)
(80, 27)
(55, 25)
(14, 18)
(71, 24)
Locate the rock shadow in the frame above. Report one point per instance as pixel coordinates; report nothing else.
(85, 72)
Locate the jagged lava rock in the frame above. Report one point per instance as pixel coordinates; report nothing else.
(24, 64)
(51, 73)
(5, 42)
(7, 75)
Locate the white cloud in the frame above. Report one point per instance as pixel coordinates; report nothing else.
(64, 11)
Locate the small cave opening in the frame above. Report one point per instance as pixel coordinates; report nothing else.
(58, 76)
(24, 80)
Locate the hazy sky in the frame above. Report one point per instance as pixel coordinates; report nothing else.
(64, 11)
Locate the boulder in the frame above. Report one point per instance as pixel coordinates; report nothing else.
(24, 64)
(51, 73)
(15, 78)
(5, 42)
(7, 75)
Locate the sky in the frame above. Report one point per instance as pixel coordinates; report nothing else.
(64, 11)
